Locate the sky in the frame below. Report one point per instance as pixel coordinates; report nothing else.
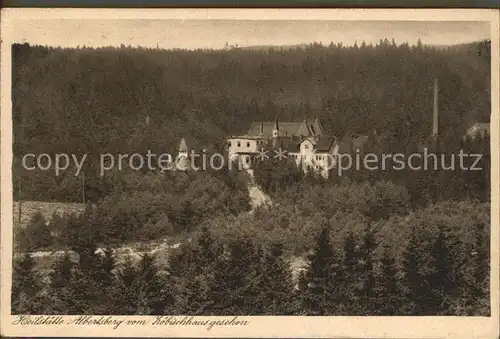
(191, 34)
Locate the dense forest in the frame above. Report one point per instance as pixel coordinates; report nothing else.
(129, 100)
(375, 242)
(431, 262)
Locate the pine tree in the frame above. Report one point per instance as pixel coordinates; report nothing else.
(388, 293)
(480, 287)
(416, 275)
(320, 296)
(22, 240)
(347, 280)
(150, 286)
(140, 289)
(127, 300)
(275, 283)
(61, 278)
(481, 257)
(58, 227)
(61, 271)
(106, 265)
(186, 216)
(239, 281)
(38, 232)
(207, 265)
(186, 280)
(84, 291)
(440, 279)
(104, 277)
(366, 272)
(82, 241)
(207, 252)
(413, 280)
(26, 287)
(218, 280)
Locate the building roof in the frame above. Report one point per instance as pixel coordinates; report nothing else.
(325, 144)
(479, 129)
(183, 146)
(318, 128)
(286, 129)
(275, 124)
(353, 143)
(290, 145)
(480, 126)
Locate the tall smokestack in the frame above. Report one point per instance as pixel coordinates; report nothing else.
(435, 120)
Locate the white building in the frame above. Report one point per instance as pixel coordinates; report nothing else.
(478, 130)
(304, 142)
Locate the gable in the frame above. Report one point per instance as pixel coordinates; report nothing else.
(325, 144)
(318, 128)
(307, 143)
(304, 130)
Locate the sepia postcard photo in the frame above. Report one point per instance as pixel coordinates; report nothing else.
(249, 173)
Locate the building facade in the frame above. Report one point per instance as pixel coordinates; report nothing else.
(304, 142)
(478, 130)
(182, 162)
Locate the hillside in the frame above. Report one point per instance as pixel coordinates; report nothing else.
(204, 95)
(124, 100)
(30, 208)
(363, 238)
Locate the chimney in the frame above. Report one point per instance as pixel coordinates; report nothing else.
(435, 118)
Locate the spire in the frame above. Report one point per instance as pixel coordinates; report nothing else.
(182, 162)
(308, 128)
(183, 146)
(276, 128)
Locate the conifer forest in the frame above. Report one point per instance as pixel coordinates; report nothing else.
(385, 242)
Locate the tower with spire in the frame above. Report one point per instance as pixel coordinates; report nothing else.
(182, 161)
(276, 128)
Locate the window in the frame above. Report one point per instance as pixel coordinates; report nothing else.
(247, 160)
(239, 144)
(248, 144)
(306, 146)
(229, 143)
